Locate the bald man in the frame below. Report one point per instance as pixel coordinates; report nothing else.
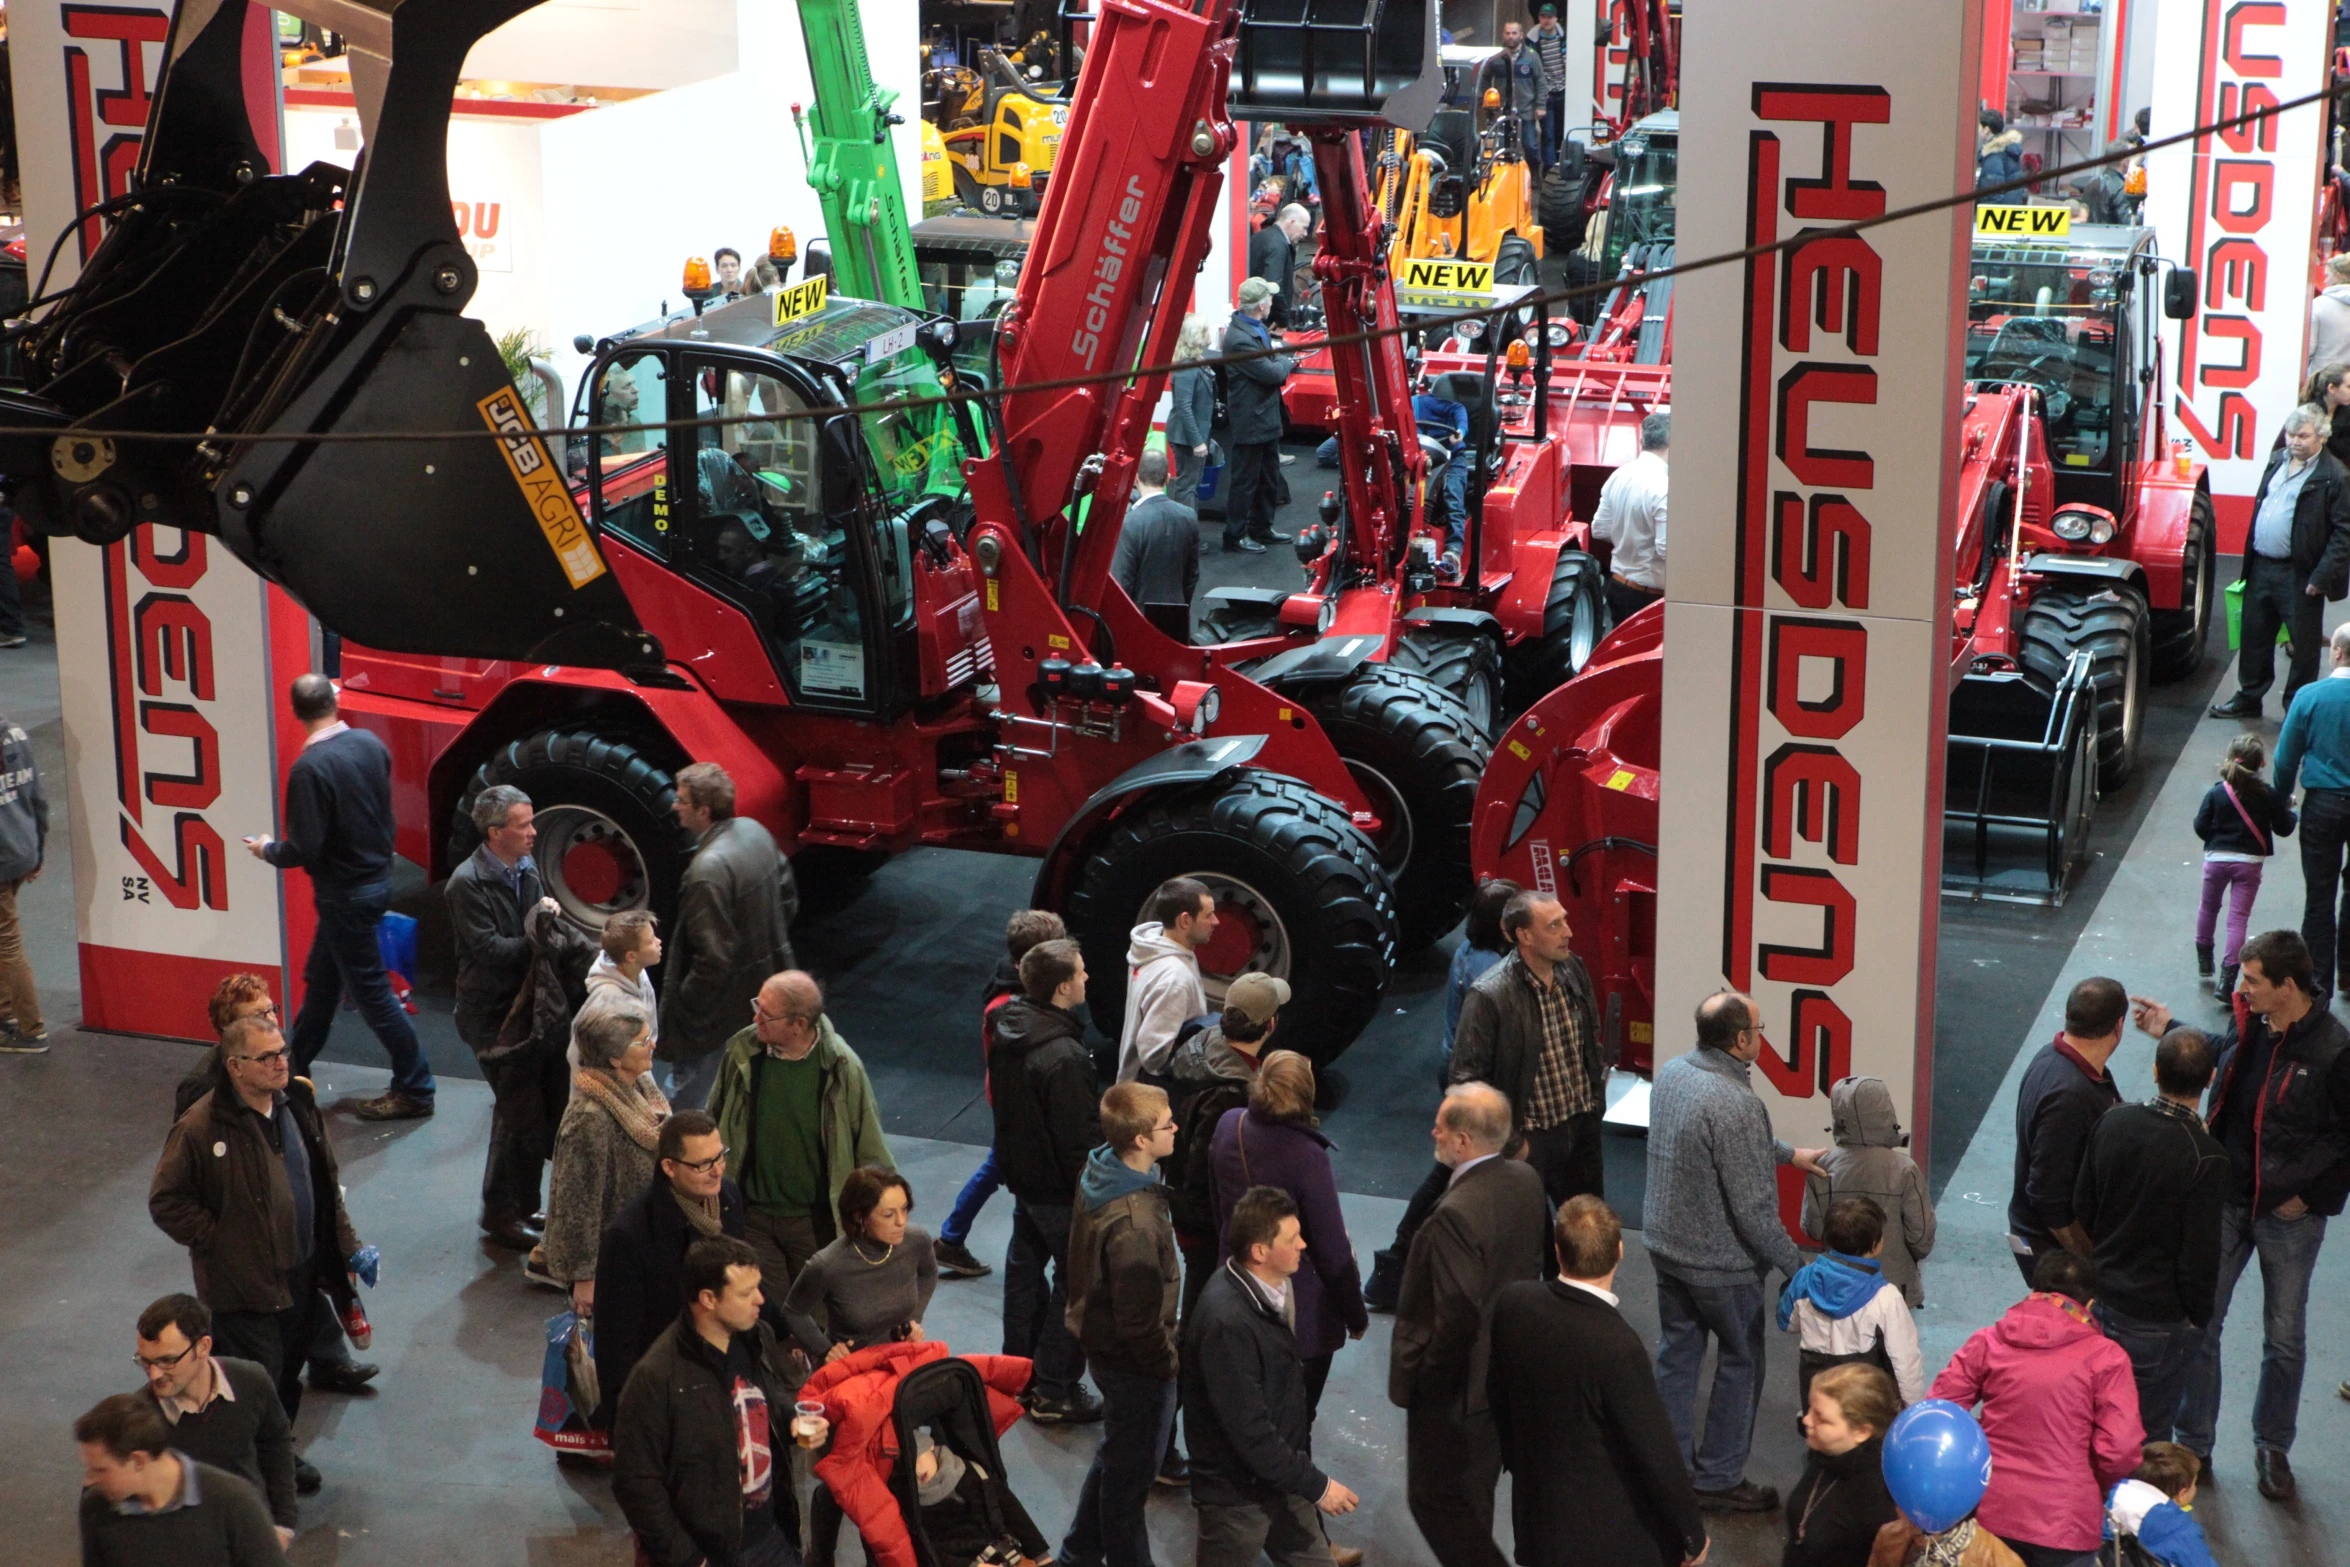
(794, 1106)
(1485, 1232)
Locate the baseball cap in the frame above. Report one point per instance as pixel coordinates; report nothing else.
(1258, 996)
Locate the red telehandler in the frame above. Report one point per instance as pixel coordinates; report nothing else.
(889, 643)
(2075, 511)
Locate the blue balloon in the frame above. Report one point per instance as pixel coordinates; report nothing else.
(1937, 1463)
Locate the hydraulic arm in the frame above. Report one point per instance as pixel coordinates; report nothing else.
(851, 163)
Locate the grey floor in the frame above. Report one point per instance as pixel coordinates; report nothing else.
(439, 1464)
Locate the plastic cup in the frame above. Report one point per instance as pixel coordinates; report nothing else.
(807, 1422)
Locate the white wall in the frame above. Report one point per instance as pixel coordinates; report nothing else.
(648, 44)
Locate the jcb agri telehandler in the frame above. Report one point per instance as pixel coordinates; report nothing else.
(787, 563)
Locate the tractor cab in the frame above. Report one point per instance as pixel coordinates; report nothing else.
(970, 267)
(2076, 317)
(825, 538)
(1646, 184)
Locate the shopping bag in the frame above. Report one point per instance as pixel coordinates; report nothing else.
(567, 1389)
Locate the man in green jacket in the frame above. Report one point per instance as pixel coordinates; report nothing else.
(795, 1109)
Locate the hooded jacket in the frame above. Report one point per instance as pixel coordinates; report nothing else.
(851, 1132)
(1047, 1108)
(24, 806)
(2162, 1528)
(1124, 1279)
(1843, 1308)
(859, 1395)
(2329, 329)
(604, 974)
(1870, 1160)
(1162, 993)
(2060, 1406)
(1998, 162)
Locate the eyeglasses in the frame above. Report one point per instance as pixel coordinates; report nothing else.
(266, 1009)
(765, 1016)
(703, 1166)
(266, 1058)
(163, 1362)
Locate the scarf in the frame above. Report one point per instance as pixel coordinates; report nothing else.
(950, 1471)
(637, 1106)
(1949, 1548)
(703, 1216)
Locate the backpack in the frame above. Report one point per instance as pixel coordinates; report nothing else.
(1191, 1199)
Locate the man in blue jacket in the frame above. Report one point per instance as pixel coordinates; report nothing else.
(2313, 751)
(339, 829)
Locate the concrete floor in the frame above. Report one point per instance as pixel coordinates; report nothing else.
(439, 1463)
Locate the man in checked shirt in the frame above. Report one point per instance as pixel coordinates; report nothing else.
(1531, 1029)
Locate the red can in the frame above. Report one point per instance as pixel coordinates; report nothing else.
(356, 1326)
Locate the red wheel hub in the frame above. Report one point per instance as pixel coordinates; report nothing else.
(1236, 941)
(593, 872)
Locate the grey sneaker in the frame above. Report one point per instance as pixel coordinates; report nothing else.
(15, 1041)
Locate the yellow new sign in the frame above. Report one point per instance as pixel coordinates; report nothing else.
(1447, 275)
(2012, 222)
(801, 299)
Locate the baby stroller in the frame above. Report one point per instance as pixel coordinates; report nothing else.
(885, 1403)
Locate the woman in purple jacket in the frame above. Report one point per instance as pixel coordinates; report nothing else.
(1274, 1143)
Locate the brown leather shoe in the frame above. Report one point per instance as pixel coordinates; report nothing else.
(391, 1106)
(1346, 1555)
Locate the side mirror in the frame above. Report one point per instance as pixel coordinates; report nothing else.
(2178, 294)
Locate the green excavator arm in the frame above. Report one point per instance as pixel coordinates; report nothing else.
(851, 163)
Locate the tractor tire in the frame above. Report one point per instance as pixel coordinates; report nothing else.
(608, 838)
(1417, 752)
(1575, 620)
(1558, 205)
(2112, 624)
(2181, 634)
(1466, 667)
(1299, 895)
(1238, 623)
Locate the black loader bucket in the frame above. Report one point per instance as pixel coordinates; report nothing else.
(1337, 62)
(272, 310)
(2020, 785)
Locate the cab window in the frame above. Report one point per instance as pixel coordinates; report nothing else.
(632, 480)
(764, 533)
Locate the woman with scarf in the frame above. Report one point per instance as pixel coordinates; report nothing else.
(1836, 1509)
(607, 1146)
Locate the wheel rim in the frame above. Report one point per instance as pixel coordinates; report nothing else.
(1585, 635)
(1394, 838)
(1250, 937)
(2134, 693)
(589, 864)
(2204, 556)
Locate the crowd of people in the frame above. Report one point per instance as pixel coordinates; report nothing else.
(723, 1211)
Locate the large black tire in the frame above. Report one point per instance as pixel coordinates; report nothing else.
(1418, 754)
(1558, 206)
(608, 836)
(1465, 667)
(1574, 621)
(1288, 869)
(2112, 624)
(2180, 634)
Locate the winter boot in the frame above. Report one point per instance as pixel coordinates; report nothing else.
(1386, 1282)
(2203, 959)
(2227, 984)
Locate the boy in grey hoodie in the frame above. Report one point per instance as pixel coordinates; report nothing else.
(1868, 1161)
(1123, 1287)
(1162, 976)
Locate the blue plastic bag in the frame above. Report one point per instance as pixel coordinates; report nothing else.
(567, 1389)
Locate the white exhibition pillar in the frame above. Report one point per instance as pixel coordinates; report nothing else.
(2241, 208)
(1807, 636)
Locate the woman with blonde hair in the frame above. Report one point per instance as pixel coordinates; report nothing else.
(1274, 1142)
(1836, 1509)
(2329, 389)
(1192, 413)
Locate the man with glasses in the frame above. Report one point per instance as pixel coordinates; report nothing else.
(794, 1104)
(640, 1268)
(1714, 1235)
(222, 1411)
(249, 1184)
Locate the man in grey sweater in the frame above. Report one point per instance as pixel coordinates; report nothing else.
(1714, 1234)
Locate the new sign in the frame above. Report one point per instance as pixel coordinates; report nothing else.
(1807, 619)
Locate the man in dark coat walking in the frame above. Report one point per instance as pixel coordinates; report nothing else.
(1484, 1233)
(339, 828)
(2066, 1088)
(1272, 255)
(2280, 1106)
(1530, 1027)
(491, 897)
(2296, 556)
(1597, 1477)
(1252, 408)
(735, 906)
